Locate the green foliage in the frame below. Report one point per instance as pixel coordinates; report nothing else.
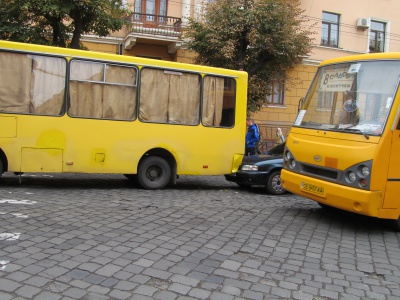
(262, 37)
(53, 22)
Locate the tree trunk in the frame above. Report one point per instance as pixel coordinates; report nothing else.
(76, 37)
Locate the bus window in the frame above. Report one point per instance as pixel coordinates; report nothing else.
(169, 97)
(32, 84)
(218, 101)
(102, 90)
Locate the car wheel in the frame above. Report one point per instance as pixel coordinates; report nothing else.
(154, 173)
(274, 184)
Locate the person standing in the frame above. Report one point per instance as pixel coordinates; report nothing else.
(252, 137)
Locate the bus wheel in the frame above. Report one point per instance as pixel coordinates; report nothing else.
(154, 173)
(395, 224)
(1, 168)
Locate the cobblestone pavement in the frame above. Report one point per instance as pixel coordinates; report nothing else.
(98, 237)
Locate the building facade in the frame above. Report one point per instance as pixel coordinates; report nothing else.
(341, 28)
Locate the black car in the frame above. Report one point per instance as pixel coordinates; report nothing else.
(262, 170)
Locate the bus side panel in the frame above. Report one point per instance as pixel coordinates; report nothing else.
(393, 177)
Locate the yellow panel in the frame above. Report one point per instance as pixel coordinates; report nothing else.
(41, 160)
(8, 127)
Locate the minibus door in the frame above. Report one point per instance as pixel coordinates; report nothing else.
(393, 180)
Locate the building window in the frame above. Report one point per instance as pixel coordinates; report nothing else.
(377, 37)
(155, 10)
(330, 30)
(277, 93)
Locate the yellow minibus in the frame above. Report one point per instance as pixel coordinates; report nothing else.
(343, 150)
(65, 110)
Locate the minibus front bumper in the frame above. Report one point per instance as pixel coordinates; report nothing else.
(359, 201)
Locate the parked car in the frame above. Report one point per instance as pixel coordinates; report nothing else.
(264, 169)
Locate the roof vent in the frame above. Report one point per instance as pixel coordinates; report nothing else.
(362, 23)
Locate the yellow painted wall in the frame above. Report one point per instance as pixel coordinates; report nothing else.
(101, 47)
(150, 51)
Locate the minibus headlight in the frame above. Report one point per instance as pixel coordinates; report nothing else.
(249, 168)
(352, 177)
(365, 171)
(287, 155)
(292, 164)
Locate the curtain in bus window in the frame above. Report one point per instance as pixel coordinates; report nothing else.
(119, 100)
(184, 99)
(154, 93)
(101, 90)
(48, 85)
(86, 97)
(15, 82)
(169, 97)
(213, 96)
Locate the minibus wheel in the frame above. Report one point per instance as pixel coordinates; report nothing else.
(395, 224)
(154, 173)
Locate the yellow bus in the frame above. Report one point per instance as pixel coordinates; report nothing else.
(343, 150)
(65, 110)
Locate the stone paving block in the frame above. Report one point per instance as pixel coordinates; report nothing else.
(231, 265)
(231, 290)
(220, 296)
(6, 296)
(179, 288)
(27, 291)
(8, 285)
(117, 294)
(47, 296)
(185, 280)
(75, 293)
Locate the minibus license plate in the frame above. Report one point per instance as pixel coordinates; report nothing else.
(311, 188)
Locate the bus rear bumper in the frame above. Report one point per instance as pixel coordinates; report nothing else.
(359, 201)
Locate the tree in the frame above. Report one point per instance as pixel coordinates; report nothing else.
(59, 22)
(262, 37)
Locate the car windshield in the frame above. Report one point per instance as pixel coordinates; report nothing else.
(353, 97)
(277, 150)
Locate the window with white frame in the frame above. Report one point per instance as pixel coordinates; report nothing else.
(330, 30)
(377, 36)
(277, 92)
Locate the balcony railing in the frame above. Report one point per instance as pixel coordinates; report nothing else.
(154, 24)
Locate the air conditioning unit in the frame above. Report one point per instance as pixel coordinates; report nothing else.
(362, 23)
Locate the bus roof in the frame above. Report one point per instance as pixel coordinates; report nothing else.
(358, 57)
(75, 53)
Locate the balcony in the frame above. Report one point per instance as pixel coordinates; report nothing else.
(156, 28)
(154, 24)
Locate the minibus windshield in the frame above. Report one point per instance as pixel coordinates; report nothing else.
(353, 97)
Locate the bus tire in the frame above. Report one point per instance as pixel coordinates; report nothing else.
(1, 168)
(274, 184)
(154, 173)
(395, 224)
